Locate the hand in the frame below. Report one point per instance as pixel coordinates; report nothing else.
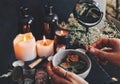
(107, 49)
(61, 76)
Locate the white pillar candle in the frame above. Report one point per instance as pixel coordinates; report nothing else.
(25, 47)
(45, 47)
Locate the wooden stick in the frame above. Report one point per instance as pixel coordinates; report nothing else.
(36, 62)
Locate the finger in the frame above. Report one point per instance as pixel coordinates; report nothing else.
(107, 49)
(57, 79)
(100, 57)
(70, 76)
(60, 71)
(63, 73)
(49, 68)
(104, 42)
(99, 53)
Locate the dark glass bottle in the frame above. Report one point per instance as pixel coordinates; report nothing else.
(25, 21)
(50, 22)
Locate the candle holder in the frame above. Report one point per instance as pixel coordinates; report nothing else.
(61, 40)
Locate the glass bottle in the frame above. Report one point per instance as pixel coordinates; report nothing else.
(50, 22)
(25, 21)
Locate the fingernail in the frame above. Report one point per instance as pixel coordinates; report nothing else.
(92, 50)
(55, 68)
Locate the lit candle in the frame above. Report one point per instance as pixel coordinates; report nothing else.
(45, 47)
(61, 33)
(25, 47)
(61, 39)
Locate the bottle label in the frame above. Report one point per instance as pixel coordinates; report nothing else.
(26, 28)
(49, 30)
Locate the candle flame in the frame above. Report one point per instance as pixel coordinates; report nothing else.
(61, 32)
(24, 38)
(44, 40)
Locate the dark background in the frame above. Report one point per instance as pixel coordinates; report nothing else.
(9, 15)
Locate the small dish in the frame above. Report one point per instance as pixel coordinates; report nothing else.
(61, 55)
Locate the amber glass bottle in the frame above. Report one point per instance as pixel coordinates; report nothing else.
(25, 21)
(50, 22)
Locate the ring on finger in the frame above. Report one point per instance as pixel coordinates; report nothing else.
(51, 76)
(65, 74)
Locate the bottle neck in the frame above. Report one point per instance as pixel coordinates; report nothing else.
(50, 10)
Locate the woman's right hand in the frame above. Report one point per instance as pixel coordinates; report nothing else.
(107, 49)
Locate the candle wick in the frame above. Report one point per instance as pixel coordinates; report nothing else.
(45, 43)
